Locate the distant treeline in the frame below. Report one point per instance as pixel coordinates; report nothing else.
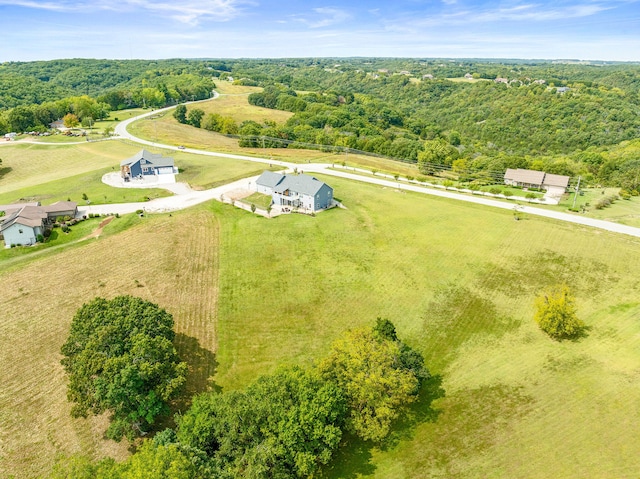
(34, 94)
(566, 118)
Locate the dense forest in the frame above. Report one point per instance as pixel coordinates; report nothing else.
(464, 115)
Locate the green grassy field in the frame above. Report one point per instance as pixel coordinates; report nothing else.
(250, 293)
(458, 280)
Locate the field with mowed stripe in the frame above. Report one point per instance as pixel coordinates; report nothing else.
(458, 280)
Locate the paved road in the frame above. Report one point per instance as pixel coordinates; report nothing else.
(183, 201)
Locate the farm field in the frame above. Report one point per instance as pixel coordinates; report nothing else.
(40, 298)
(459, 283)
(457, 280)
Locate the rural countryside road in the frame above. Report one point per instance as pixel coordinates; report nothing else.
(181, 201)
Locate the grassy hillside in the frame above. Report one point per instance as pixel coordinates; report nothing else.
(249, 293)
(459, 283)
(40, 298)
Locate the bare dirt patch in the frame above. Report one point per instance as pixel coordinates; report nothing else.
(98, 231)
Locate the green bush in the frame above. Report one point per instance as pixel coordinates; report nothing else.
(556, 313)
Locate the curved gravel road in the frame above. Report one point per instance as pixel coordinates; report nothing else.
(183, 201)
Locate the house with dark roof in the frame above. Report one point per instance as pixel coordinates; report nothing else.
(295, 191)
(555, 184)
(145, 165)
(23, 223)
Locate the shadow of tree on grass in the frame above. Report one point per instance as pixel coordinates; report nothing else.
(202, 366)
(353, 459)
(419, 412)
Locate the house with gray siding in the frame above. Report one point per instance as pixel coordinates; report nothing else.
(22, 223)
(144, 165)
(295, 191)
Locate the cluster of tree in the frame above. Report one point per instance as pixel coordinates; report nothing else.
(212, 122)
(120, 359)
(34, 94)
(23, 83)
(287, 424)
(38, 117)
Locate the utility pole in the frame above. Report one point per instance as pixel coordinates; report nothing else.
(576, 195)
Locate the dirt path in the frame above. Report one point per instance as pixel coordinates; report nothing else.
(98, 231)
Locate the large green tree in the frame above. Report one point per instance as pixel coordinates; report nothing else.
(436, 153)
(284, 425)
(180, 114)
(120, 358)
(194, 117)
(378, 374)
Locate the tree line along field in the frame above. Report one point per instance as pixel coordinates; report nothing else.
(458, 280)
(561, 118)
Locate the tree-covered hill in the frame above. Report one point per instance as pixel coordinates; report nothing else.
(564, 117)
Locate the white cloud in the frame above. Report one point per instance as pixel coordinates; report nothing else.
(186, 11)
(325, 17)
(525, 12)
(57, 6)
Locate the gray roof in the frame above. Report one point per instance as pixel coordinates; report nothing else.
(556, 180)
(530, 177)
(269, 179)
(28, 216)
(301, 184)
(8, 209)
(60, 206)
(155, 159)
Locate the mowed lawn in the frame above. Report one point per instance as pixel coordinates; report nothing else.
(179, 272)
(458, 280)
(53, 173)
(25, 165)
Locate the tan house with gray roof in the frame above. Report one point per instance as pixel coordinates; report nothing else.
(553, 184)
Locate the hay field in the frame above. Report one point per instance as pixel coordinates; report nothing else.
(458, 280)
(38, 301)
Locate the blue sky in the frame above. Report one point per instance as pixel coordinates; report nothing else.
(580, 29)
